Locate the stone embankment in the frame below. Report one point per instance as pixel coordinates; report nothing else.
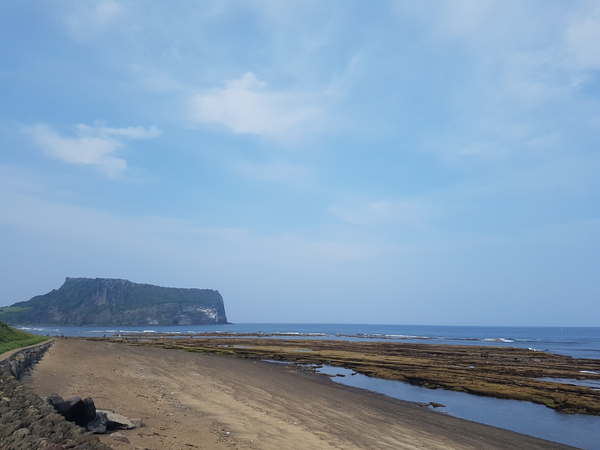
(26, 421)
(20, 362)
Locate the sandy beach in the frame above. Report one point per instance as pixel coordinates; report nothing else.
(189, 400)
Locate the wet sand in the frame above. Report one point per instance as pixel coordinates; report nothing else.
(190, 400)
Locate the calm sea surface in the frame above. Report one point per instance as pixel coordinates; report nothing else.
(536, 420)
(575, 342)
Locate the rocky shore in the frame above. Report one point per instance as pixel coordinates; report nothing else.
(19, 362)
(507, 373)
(197, 401)
(29, 423)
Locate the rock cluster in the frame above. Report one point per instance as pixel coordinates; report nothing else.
(28, 423)
(83, 412)
(73, 409)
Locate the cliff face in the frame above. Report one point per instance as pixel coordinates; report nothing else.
(105, 301)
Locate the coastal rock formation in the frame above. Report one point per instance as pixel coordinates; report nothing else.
(110, 302)
(84, 413)
(29, 423)
(73, 409)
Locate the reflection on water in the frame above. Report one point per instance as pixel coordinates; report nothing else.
(523, 417)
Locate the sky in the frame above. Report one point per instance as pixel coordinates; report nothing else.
(397, 162)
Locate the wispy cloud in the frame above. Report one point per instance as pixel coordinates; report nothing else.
(276, 171)
(88, 18)
(129, 132)
(175, 237)
(92, 145)
(246, 105)
(384, 212)
(582, 36)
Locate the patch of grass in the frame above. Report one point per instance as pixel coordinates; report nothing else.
(10, 338)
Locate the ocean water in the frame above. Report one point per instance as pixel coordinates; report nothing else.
(577, 342)
(524, 417)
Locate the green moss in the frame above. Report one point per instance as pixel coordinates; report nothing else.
(536, 398)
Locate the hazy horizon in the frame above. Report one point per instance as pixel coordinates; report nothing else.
(315, 162)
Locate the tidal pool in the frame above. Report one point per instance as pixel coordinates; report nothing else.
(578, 430)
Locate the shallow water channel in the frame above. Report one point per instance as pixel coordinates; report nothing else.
(578, 430)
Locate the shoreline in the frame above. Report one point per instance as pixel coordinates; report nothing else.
(504, 373)
(192, 400)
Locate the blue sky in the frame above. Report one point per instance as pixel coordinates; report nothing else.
(430, 162)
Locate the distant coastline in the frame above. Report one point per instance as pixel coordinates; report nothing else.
(118, 302)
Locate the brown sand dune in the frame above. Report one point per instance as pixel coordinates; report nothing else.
(189, 400)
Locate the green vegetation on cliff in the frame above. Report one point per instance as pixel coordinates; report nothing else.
(105, 301)
(11, 338)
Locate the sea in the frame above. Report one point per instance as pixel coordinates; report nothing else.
(578, 430)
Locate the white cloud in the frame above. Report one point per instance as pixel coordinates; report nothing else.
(92, 146)
(246, 105)
(385, 212)
(524, 67)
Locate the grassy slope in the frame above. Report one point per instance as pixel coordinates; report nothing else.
(11, 338)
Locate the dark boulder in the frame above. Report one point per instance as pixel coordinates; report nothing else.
(73, 409)
(55, 400)
(98, 425)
